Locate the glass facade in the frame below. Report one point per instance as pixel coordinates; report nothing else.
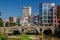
(48, 13)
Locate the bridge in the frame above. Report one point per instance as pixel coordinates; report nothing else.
(24, 29)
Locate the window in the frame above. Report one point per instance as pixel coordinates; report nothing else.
(45, 7)
(49, 12)
(54, 20)
(45, 21)
(49, 21)
(54, 17)
(45, 17)
(45, 12)
(49, 6)
(49, 17)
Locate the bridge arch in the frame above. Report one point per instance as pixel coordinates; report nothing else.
(16, 32)
(47, 31)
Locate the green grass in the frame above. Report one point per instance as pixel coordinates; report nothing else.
(3, 37)
(21, 37)
(13, 39)
(24, 37)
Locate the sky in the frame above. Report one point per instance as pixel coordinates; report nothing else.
(14, 7)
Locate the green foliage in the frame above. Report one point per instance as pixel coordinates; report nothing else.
(3, 37)
(1, 22)
(18, 21)
(58, 11)
(25, 37)
(7, 24)
(29, 18)
(12, 24)
(19, 24)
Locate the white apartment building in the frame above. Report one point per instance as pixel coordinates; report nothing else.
(26, 13)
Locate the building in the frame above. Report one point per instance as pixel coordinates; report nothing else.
(48, 13)
(57, 21)
(26, 11)
(35, 20)
(26, 14)
(24, 21)
(57, 17)
(12, 19)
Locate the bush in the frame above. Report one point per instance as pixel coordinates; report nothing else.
(3, 37)
(1, 24)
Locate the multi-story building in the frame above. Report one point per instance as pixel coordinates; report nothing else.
(57, 21)
(26, 11)
(35, 20)
(48, 13)
(21, 20)
(12, 19)
(26, 14)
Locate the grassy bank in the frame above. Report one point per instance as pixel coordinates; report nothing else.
(21, 37)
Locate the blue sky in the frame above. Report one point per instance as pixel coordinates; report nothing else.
(14, 7)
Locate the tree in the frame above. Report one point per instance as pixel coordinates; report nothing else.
(29, 18)
(18, 21)
(1, 22)
(12, 24)
(7, 24)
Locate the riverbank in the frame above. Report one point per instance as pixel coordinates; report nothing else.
(33, 37)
